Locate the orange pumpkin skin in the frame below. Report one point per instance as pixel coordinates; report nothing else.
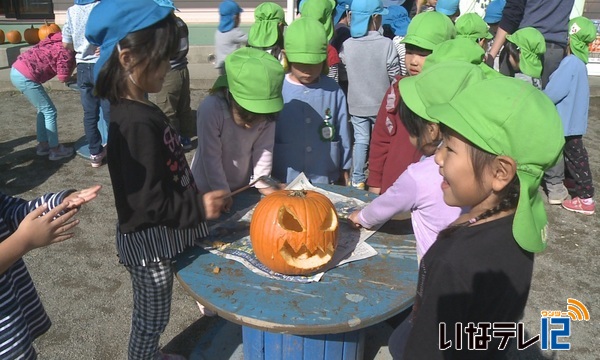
(47, 29)
(1, 37)
(294, 232)
(31, 35)
(13, 37)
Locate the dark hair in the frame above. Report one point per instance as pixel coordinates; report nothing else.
(414, 49)
(388, 32)
(250, 117)
(156, 43)
(513, 50)
(480, 159)
(415, 125)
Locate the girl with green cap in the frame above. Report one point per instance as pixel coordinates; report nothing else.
(569, 89)
(312, 133)
(525, 50)
(267, 31)
(236, 125)
(499, 136)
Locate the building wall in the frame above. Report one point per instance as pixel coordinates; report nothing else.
(191, 11)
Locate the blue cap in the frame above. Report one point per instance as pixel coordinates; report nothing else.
(115, 19)
(388, 3)
(228, 9)
(362, 10)
(397, 18)
(493, 12)
(447, 7)
(340, 8)
(84, 2)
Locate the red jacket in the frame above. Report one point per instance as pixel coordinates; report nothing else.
(390, 151)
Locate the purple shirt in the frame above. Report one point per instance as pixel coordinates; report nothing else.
(418, 190)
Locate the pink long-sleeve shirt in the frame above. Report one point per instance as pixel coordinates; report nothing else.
(46, 60)
(418, 190)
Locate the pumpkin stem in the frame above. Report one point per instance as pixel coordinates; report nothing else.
(297, 193)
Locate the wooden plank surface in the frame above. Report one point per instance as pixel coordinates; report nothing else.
(347, 298)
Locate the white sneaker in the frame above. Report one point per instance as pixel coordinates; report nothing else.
(60, 153)
(96, 160)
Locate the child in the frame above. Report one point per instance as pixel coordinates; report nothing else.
(569, 90)
(471, 26)
(228, 36)
(390, 150)
(341, 33)
(34, 67)
(499, 135)
(311, 134)
(460, 49)
(86, 57)
(25, 226)
(371, 64)
(525, 50)
(236, 127)
(174, 97)
(396, 23)
(267, 31)
(160, 211)
(417, 190)
(425, 6)
(448, 8)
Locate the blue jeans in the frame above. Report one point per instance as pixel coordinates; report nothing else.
(91, 107)
(363, 126)
(46, 116)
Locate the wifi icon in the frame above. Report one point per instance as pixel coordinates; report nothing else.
(577, 311)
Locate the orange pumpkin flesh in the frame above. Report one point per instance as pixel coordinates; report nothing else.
(294, 232)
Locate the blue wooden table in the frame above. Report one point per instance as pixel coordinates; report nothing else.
(321, 320)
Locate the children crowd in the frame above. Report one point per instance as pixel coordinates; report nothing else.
(350, 93)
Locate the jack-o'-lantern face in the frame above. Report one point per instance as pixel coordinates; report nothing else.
(294, 232)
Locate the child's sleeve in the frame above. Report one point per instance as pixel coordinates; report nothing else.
(344, 131)
(242, 37)
(65, 64)
(380, 140)
(13, 210)
(398, 198)
(560, 82)
(67, 31)
(393, 64)
(262, 152)
(208, 161)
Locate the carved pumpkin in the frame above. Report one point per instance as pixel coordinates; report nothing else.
(294, 232)
(47, 29)
(13, 37)
(1, 37)
(31, 35)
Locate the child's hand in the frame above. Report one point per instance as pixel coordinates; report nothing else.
(353, 220)
(39, 229)
(214, 203)
(81, 197)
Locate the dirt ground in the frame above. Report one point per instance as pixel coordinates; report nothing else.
(88, 294)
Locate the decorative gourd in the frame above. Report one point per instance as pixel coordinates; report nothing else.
(31, 35)
(294, 232)
(47, 29)
(1, 37)
(13, 37)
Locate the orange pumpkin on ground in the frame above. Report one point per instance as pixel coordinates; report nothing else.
(1, 37)
(294, 232)
(31, 35)
(13, 37)
(47, 29)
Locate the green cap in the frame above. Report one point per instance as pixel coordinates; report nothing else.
(460, 49)
(305, 41)
(428, 29)
(582, 32)
(322, 11)
(423, 90)
(265, 30)
(255, 79)
(532, 46)
(472, 26)
(508, 116)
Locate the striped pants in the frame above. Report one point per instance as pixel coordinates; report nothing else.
(152, 294)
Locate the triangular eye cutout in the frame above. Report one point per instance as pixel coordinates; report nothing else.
(288, 221)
